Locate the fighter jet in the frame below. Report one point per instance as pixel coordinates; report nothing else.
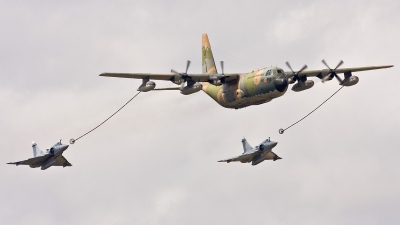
(52, 157)
(255, 155)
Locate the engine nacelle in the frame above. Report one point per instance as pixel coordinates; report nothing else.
(324, 73)
(148, 86)
(215, 82)
(350, 81)
(191, 89)
(303, 86)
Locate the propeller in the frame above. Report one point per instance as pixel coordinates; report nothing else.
(295, 74)
(332, 72)
(222, 76)
(218, 79)
(181, 76)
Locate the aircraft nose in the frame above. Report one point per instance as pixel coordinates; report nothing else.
(64, 147)
(273, 143)
(281, 84)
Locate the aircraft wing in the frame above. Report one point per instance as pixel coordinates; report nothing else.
(271, 156)
(171, 76)
(32, 161)
(316, 73)
(242, 158)
(61, 161)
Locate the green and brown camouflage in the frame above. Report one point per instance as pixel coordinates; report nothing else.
(238, 90)
(253, 88)
(208, 63)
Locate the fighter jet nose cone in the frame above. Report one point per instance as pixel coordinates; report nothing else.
(281, 84)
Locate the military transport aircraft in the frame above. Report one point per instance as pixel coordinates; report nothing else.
(238, 90)
(255, 155)
(52, 157)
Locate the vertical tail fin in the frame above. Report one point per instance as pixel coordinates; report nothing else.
(36, 150)
(208, 63)
(246, 145)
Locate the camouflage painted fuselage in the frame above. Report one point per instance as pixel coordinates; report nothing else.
(253, 88)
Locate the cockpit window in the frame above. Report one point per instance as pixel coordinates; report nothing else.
(280, 71)
(268, 73)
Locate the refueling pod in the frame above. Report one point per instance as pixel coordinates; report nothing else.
(148, 86)
(301, 86)
(350, 81)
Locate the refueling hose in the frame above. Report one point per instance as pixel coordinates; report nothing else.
(281, 131)
(72, 140)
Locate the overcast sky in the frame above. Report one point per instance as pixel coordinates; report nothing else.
(156, 161)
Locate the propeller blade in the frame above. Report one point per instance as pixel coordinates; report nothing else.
(327, 77)
(288, 65)
(174, 71)
(323, 61)
(222, 67)
(303, 68)
(187, 66)
(338, 78)
(340, 63)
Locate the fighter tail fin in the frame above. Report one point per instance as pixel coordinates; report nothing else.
(36, 150)
(208, 63)
(246, 145)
